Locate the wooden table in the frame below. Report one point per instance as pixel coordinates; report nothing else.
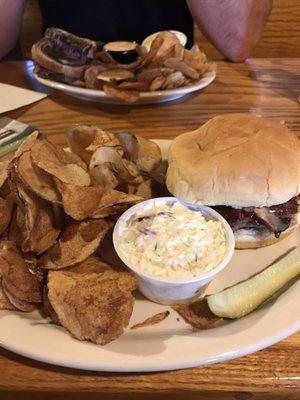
(269, 87)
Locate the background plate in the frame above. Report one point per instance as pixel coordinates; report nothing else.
(145, 97)
(171, 344)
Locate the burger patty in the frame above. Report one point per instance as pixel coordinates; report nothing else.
(275, 218)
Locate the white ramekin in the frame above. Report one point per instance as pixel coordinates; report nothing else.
(167, 290)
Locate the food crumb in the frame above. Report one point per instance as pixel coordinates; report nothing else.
(198, 315)
(155, 319)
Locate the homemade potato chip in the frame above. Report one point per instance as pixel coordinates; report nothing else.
(36, 223)
(81, 202)
(67, 157)
(149, 74)
(169, 41)
(41, 223)
(149, 155)
(174, 80)
(167, 53)
(130, 96)
(154, 49)
(144, 189)
(5, 304)
(103, 175)
(115, 203)
(198, 314)
(134, 85)
(91, 73)
(36, 179)
(65, 166)
(108, 168)
(115, 75)
(130, 145)
(5, 189)
(179, 51)
(79, 240)
(18, 280)
(3, 170)
(6, 209)
(195, 59)
(85, 139)
(48, 310)
(26, 144)
(159, 174)
(181, 66)
(91, 265)
(95, 307)
(17, 303)
(17, 229)
(145, 153)
(157, 83)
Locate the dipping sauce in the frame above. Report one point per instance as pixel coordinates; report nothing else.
(122, 52)
(172, 241)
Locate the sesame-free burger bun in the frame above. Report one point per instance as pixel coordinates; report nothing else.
(237, 160)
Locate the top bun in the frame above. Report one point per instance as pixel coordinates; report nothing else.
(238, 160)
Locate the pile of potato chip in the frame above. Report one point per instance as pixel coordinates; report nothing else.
(167, 65)
(56, 207)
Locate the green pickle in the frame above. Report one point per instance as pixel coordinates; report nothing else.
(244, 297)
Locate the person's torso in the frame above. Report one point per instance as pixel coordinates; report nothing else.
(108, 20)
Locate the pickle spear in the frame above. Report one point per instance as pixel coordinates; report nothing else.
(244, 297)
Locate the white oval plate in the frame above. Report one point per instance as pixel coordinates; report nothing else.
(100, 96)
(171, 344)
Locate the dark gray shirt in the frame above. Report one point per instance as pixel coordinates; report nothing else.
(108, 20)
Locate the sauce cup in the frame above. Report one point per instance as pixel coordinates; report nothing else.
(171, 290)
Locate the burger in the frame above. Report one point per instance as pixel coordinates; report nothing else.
(247, 168)
(62, 56)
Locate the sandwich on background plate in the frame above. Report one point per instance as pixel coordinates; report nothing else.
(247, 168)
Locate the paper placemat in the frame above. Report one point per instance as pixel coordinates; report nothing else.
(13, 97)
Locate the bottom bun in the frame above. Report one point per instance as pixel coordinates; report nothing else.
(253, 239)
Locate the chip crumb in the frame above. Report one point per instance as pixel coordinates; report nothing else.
(155, 319)
(198, 315)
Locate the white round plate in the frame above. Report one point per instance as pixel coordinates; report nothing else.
(171, 344)
(100, 96)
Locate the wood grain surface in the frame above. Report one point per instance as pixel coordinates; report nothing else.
(280, 38)
(269, 87)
